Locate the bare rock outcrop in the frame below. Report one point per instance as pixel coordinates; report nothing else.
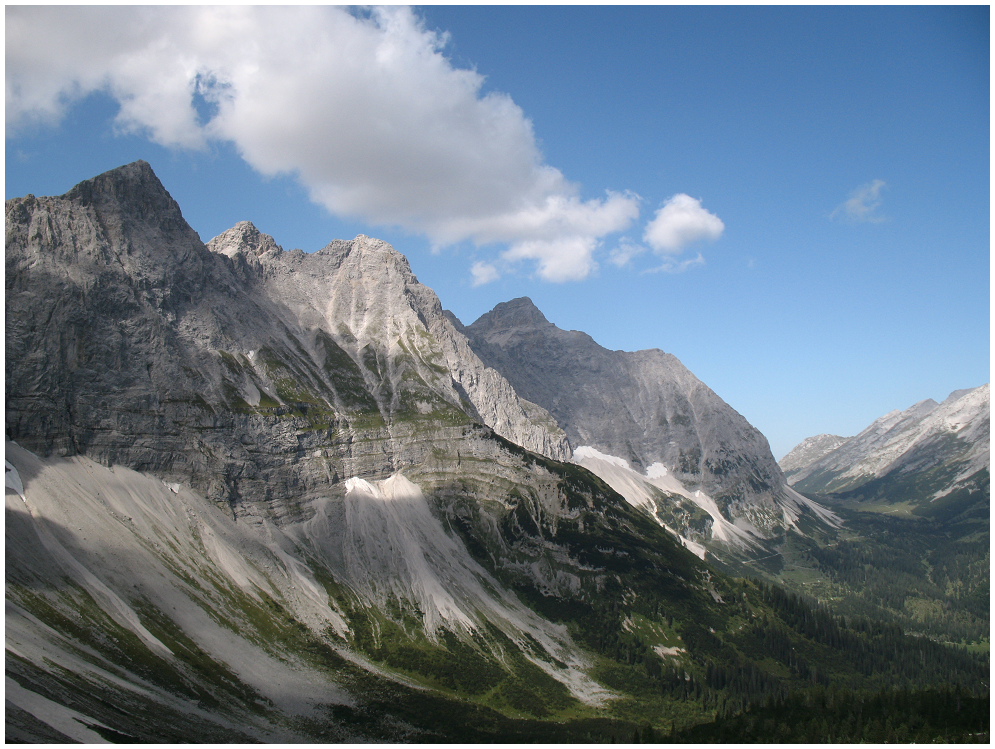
(327, 365)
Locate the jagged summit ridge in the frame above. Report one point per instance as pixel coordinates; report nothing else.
(173, 324)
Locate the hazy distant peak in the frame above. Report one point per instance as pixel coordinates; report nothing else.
(810, 450)
(958, 394)
(517, 313)
(951, 437)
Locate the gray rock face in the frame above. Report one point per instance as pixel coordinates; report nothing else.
(942, 444)
(643, 406)
(327, 366)
(244, 240)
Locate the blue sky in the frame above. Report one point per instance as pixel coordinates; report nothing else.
(793, 201)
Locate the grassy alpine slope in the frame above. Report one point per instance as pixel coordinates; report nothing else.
(924, 565)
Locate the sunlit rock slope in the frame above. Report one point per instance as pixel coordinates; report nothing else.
(924, 453)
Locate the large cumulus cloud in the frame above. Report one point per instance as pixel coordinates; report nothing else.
(362, 107)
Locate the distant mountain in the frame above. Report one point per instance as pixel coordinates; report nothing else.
(808, 451)
(919, 455)
(645, 410)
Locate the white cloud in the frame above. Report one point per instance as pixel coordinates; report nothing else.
(560, 259)
(625, 252)
(681, 221)
(673, 265)
(484, 273)
(362, 107)
(863, 204)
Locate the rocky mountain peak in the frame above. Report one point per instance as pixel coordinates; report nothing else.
(517, 313)
(368, 256)
(643, 408)
(121, 224)
(134, 190)
(371, 249)
(244, 239)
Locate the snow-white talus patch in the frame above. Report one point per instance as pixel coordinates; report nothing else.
(657, 471)
(12, 480)
(694, 547)
(638, 490)
(668, 652)
(823, 513)
(394, 547)
(585, 452)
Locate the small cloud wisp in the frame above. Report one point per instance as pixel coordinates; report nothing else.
(862, 205)
(681, 221)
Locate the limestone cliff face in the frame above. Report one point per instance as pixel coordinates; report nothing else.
(131, 341)
(363, 294)
(644, 407)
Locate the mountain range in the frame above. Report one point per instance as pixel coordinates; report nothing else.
(923, 454)
(267, 495)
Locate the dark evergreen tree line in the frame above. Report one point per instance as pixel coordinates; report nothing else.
(834, 715)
